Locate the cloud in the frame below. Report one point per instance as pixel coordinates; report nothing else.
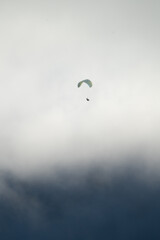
(122, 203)
(46, 49)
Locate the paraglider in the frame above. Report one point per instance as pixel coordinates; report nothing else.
(88, 82)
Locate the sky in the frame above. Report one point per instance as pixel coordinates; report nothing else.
(48, 129)
(47, 47)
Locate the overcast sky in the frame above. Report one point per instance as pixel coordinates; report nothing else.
(69, 168)
(46, 48)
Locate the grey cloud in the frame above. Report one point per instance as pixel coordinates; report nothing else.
(122, 203)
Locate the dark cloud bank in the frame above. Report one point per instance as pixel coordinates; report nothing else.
(123, 203)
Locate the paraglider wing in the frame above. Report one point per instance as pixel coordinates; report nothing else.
(87, 81)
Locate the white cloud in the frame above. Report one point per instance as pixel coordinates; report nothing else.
(46, 49)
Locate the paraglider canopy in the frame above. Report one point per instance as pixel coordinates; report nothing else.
(87, 81)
